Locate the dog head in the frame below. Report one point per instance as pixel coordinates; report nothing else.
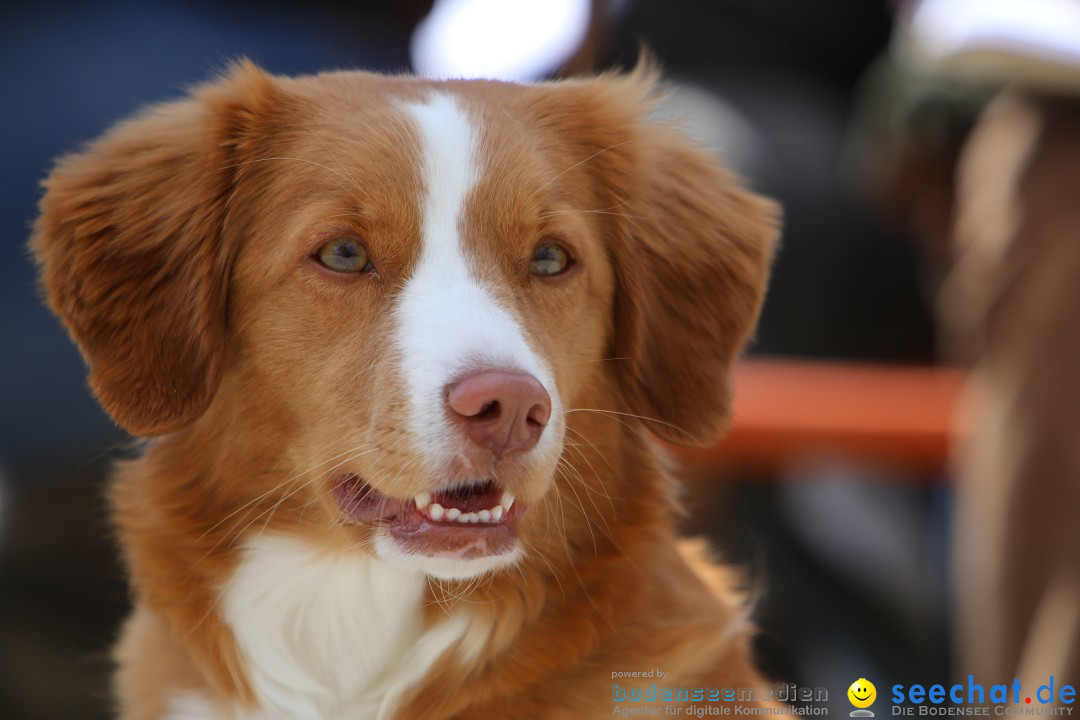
(370, 307)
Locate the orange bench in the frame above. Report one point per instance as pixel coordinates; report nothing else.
(897, 415)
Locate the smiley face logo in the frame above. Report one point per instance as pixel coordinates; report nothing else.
(862, 693)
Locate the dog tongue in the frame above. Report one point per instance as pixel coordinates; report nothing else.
(410, 519)
(469, 498)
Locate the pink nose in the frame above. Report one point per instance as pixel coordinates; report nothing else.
(504, 412)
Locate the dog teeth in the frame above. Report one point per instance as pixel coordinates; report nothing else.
(437, 512)
(488, 516)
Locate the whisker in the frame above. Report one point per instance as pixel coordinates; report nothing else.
(293, 159)
(272, 490)
(561, 469)
(631, 415)
(580, 163)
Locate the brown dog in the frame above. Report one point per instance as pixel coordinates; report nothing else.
(400, 342)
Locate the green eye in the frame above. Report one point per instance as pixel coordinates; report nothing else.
(549, 259)
(344, 254)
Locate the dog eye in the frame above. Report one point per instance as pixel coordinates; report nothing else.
(549, 259)
(344, 254)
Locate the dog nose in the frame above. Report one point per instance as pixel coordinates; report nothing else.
(504, 412)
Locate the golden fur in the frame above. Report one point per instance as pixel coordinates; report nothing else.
(175, 251)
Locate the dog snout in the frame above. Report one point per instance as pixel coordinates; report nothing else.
(500, 411)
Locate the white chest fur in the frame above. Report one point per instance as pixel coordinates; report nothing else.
(330, 635)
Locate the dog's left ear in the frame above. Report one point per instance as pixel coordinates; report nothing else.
(133, 256)
(692, 260)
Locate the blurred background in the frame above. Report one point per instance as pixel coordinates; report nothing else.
(858, 407)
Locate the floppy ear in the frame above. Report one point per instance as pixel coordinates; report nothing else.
(132, 255)
(692, 263)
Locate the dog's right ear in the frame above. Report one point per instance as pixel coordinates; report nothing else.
(132, 253)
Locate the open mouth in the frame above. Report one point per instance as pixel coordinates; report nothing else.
(466, 520)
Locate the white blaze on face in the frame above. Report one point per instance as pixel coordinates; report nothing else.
(448, 323)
